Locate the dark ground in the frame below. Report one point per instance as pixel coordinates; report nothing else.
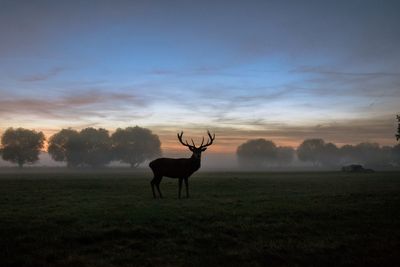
(232, 219)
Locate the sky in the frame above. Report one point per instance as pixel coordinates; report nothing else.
(280, 70)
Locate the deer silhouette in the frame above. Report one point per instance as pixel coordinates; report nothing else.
(178, 168)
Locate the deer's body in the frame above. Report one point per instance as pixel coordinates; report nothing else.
(175, 168)
(181, 169)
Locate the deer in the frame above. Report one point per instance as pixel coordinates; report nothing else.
(181, 168)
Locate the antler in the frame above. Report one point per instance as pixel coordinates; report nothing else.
(186, 143)
(209, 142)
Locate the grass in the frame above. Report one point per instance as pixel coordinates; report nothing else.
(232, 219)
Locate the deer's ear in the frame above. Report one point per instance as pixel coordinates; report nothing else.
(191, 149)
(203, 149)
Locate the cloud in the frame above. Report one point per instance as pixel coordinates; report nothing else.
(206, 73)
(201, 70)
(92, 103)
(329, 72)
(42, 76)
(352, 131)
(323, 81)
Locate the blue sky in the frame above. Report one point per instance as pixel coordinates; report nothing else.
(281, 70)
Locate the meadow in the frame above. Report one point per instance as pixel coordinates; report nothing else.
(109, 218)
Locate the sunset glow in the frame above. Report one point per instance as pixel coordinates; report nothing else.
(257, 69)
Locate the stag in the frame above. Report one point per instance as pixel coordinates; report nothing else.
(179, 168)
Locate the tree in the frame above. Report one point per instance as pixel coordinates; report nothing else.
(311, 150)
(369, 154)
(134, 145)
(257, 152)
(387, 158)
(285, 155)
(398, 128)
(96, 146)
(67, 145)
(330, 155)
(21, 145)
(395, 155)
(347, 154)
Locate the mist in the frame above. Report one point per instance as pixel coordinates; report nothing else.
(369, 155)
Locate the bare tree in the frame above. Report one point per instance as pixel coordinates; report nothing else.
(179, 168)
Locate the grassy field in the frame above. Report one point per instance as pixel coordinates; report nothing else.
(232, 219)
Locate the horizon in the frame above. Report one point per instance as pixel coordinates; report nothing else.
(219, 161)
(284, 72)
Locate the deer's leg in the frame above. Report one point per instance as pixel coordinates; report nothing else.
(153, 183)
(152, 188)
(187, 187)
(158, 186)
(156, 182)
(180, 187)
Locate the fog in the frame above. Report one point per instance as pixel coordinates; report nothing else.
(370, 155)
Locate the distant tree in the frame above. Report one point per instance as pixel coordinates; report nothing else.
(134, 145)
(387, 158)
(21, 145)
(96, 146)
(310, 150)
(395, 155)
(398, 128)
(257, 152)
(285, 155)
(369, 154)
(68, 146)
(347, 155)
(330, 155)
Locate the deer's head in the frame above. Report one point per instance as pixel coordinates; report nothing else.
(197, 150)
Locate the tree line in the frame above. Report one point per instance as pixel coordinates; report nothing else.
(134, 145)
(264, 153)
(88, 147)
